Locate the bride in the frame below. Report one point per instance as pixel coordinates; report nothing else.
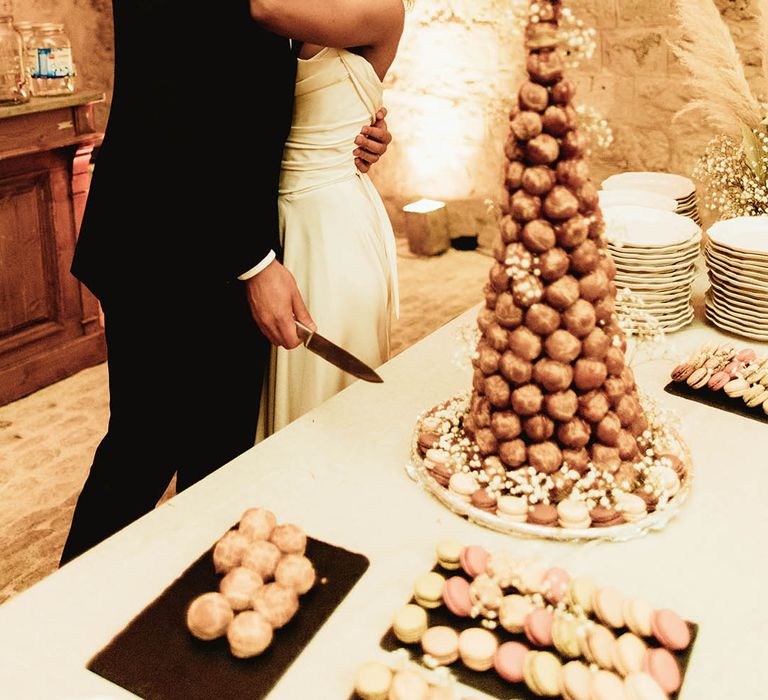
(336, 236)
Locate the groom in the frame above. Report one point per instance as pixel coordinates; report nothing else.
(180, 244)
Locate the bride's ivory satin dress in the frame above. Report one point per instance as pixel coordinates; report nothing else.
(337, 238)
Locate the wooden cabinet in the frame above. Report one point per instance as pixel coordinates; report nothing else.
(49, 323)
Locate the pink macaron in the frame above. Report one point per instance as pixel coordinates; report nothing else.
(456, 596)
(718, 380)
(746, 355)
(474, 560)
(556, 582)
(664, 669)
(733, 367)
(538, 627)
(670, 629)
(509, 660)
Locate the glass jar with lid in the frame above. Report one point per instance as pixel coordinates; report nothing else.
(25, 28)
(14, 87)
(50, 56)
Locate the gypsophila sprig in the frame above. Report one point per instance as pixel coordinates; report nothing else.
(595, 126)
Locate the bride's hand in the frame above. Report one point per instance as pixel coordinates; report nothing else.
(276, 304)
(372, 142)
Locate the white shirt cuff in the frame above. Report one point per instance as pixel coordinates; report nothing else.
(256, 269)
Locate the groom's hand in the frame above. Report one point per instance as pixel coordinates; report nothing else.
(372, 142)
(276, 304)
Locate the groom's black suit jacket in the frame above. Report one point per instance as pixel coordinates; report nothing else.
(185, 184)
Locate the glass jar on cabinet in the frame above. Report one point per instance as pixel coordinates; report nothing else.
(14, 88)
(50, 59)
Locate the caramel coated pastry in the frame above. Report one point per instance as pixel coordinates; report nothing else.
(499, 252)
(508, 314)
(289, 539)
(596, 344)
(593, 406)
(585, 257)
(297, 572)
(208, 616)
(556, 121)
(608, 266)
(627, 445)
(605, 457)
(545, 457)
(514, 369)
(545, 67)
(509, 230)
(563, 92)
(257, 523)
(524, 207)
(239, 586)
(513, 176)
(542, 150)
(513, 453)
(497, 337)
(562, 293)
(525, 343)
(533, 96)
(541, 35)
(614, 389)
(628, 409)
(589, 374)
(486, 441)
(514, 110)
(561, 405)
(527, 290)
(497, 390)
(573, 172)
(562, 346)
(572, 232)
(561, 203)
(527, 400)
(229, 550)
(629, 378)
(577, 459)
(539, 428)
(481, 411)
(499, 277)
(538, 180)
(609, 429)
(276, 603)
(580, 319)
(639, 426)
(526, 125)
(616, 334)
(490, 295)
(513, 149)
(615, 361)
(553, 375)
(249, 635)
(588, 198)
(593, 286)
(542, 319)
(574, 144)
(574, 433)
(605, 308)
(478, 381)
(485, 317)
(505, 425)
(553, 264)
(538, 236)
(488, 359)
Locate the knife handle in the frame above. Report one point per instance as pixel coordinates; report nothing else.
(305, 334)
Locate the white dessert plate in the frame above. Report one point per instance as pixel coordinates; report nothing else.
(740, 299)
(667, 184)
(637, 198)
(734, 327)
(728, 309)
(737, 264)
(751, 287)
(752, 258)
(642, 226)
(747, 234)
(734, 274)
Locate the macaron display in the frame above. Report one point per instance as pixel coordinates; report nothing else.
(428, 589)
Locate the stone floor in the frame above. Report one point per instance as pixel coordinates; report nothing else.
(47, 439)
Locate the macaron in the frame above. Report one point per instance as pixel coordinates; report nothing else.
(428, 441)
(597, 646)
(746, 355)
(448, 552)
(757, 397)
(457, 596)
(408, 685)
(736, 387)
(508, 661)
(603, 516)
(641, 686)
(463, 485)
(699, 378)
(372, 681)
(477, 648)
(542, 673)
(718, 380)
(512, 508)
(431, 424)
(409, 623)
(637, 615)
(608, 604)
(632, 507)
(732, 368)
(573, 514)
(662, 666)
(576, 681)
(543, 514)
(629, 654)
(484, 500)
(474, 559)
(682, 371)
(555, 584)
(581, 591)
(428, 590)
(435, 456)
(514, 611)
(441, 643)
(565, 635)
(670, 629)
(538, 627)
(607, 686)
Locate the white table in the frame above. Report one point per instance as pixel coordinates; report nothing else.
(339, 472)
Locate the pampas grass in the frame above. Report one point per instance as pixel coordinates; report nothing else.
(717, 80)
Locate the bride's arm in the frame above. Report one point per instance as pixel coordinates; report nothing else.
(337, 23)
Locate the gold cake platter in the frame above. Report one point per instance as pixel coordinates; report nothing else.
(667, 437)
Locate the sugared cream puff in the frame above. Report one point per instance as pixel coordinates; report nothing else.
(527, 290)
(554, 376)
(545, 457)
(249, 635)
(514, 369)
(542, 319)
(562, 293)
(209, 615)
(276, 603)
(257, 523)
(553, 264)
(563, 346)
(525, 343)
(580, 319)
(289, 538)
(560, 203)
(561, 405)
(589, 374)
(527, 400)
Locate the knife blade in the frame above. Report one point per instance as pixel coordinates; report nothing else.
(338, 356)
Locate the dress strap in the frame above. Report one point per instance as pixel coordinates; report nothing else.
(362, 93)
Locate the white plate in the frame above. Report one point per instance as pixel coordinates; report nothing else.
(648, 228)
(745, 267)
(728, 309)
(660, 266)
(748, 234)
(740, 298)
(667, 184)
(734, 327)
(637, 198)
(752, 258)
(655, 278)
(752, 287)
(661, 253)
(751, 278)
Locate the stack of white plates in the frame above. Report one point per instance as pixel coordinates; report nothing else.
(636, 198)
(679, 188)
(737, 262)
(655, 253)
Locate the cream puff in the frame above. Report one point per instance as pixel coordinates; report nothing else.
(585, 257)
(553, 375)
(542, 150)
(563, 292)
(524, 207)
(574, 433)
(538, 428)
(525, 343)
(560, 203)
(508, 314)
(533, 96)
(580, 319)
(593, 406)
(572, 232)
(553, 264)
(589, 374)
(562, 405)
(526, 125)
(505, 425)
(208, 616)
(514, 369)
(542, 319)
(562, 346)
(527, 400)
(545, 457)
(513, 453)
(497, 390)
(538, 180)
